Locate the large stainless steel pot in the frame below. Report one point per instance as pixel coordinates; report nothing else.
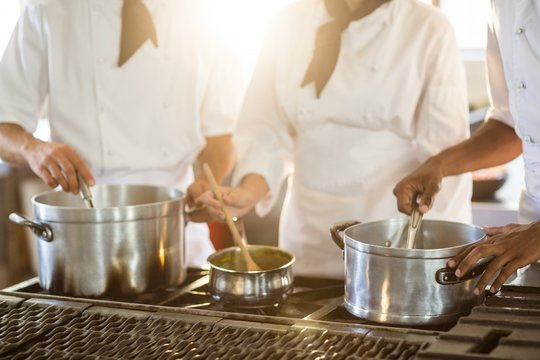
(232, 285)
(130, 242)
(388, 283)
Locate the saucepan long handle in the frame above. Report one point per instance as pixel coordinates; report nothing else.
(447, 276)
(337, 229)
(43, 231)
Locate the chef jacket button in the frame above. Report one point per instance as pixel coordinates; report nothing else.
(102, 109)
(521, 86)
(374, 67)
(367, 116)
(520, 31)
(165, 105)
(528, 139)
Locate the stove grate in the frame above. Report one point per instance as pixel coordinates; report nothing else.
(506, 326)
(40, 331)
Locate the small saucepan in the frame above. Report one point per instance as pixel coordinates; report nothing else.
(233, 286)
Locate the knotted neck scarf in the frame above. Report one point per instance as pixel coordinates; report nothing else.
(137, 27)
(328, 44)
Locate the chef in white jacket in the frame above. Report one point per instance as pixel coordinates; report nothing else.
(382, 91)
(135, 91)
(512, 127)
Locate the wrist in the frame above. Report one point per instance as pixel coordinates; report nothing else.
(437, 165)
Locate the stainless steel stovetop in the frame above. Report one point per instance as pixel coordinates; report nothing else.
(183, 323)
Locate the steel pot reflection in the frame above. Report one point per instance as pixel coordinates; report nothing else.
(388, 283)
(233, 286)
(131, 242)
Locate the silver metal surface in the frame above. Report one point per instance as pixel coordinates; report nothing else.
(231, 284)
(131, 242)
(397, 285)
(415, 222)
(86, 194)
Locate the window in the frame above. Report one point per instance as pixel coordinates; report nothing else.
(469, 18)
(9, 13)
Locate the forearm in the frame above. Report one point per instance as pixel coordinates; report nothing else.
(219, 154)
(14, 142)
(494, 143)
(256, 185)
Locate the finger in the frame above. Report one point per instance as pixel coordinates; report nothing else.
(69, 174)
(47, 178)
(404, 196)
(472, 258)
(208, 199)
(493, 230)
(427, 197)
(481, 284)
(193, 194)
(424, 202)
(505, 273)
(57, 174)
(197, 189)
(80, 167)
(488, 275)
(456, 260)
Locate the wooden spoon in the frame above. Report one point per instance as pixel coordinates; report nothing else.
(250, 264)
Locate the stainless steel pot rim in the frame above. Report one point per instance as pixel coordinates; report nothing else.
(237, 249)
(437, 253)
(51, 213)
(178, 195)
(403, 319)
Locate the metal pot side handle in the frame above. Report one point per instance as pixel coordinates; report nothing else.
(447, 276)
(43, 231)
(337, 229)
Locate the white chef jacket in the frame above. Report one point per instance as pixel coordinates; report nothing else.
(144, 122)
(513, 60)
(397, 96)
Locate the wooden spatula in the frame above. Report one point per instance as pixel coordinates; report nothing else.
(250, 264)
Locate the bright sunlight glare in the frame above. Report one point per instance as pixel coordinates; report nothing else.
(243, 21)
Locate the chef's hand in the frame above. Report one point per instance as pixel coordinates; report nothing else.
(424, 181)
(238, 200)
(57, 164)
(197, 210)
(514, 246)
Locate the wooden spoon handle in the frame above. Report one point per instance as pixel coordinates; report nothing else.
(251, 265)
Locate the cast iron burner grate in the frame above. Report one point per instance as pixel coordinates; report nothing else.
(506, 326)
(38, 330)
(183, 323)
(312, 298)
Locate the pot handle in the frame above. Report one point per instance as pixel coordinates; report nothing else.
(337, 229)
(43, 231)
(447, 276)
